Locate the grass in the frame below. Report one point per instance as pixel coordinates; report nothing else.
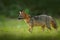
(14, 29)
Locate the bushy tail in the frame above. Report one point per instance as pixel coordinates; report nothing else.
(51, 20)
(54, 24)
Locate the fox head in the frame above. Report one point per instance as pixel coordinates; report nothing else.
(23, 15)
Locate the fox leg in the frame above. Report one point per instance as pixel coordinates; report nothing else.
(30, 29)
(43, 26)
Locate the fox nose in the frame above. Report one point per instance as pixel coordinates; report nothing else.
(20, 18)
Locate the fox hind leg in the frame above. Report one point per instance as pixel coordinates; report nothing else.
(43, 27)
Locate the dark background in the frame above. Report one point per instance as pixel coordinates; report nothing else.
(11, 8)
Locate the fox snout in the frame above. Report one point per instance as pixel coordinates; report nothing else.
(20, 18)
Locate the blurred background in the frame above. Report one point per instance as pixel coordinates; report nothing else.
(13, 29)
(11, 8)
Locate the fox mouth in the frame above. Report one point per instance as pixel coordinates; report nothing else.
(20, 18)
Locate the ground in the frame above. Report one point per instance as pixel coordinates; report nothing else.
(14, 29)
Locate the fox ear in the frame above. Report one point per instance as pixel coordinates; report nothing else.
(20, 12)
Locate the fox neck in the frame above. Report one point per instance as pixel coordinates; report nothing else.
(27, 18)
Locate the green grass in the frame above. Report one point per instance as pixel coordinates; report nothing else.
(14, 29)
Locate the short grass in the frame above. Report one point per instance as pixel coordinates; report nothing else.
(14, 29)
